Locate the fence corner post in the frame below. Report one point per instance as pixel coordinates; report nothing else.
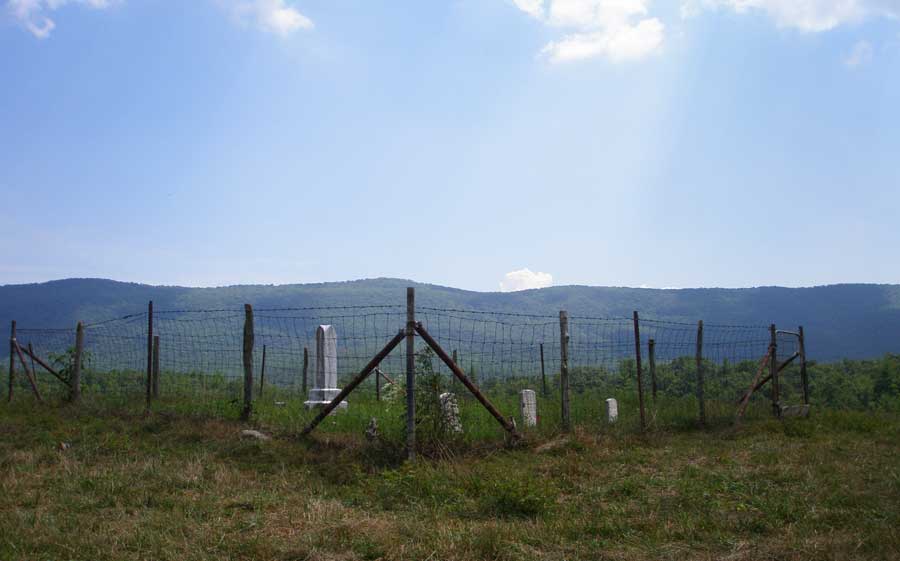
(75, 380)
(248, 363)
(564, 369)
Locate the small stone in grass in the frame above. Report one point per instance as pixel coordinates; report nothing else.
(254, 434)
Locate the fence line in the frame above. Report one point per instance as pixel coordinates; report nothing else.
(201, 350)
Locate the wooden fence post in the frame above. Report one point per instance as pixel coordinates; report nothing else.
(12, 359)
(248, 363)
(305, 367)
(803, 377)
(262, 374)
(75, 379)
(651, 348)
(156, 367)
(564, 369)
(637, 360)
(701, 399)
(411, 374)
(773, 369)
(149, 353)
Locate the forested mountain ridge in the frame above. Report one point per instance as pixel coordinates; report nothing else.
(841, 321)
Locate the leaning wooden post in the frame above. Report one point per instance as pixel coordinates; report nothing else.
(651, 348)
(637, 361)
(543, 372)
(262, 374)
(75, 380)
(564, 369)
(149, 353)
(156, 367)
(305, 367)
(12, 359)
(248, 363)
(701, 400)
(411, 374)
(773, 369)
(803, 378)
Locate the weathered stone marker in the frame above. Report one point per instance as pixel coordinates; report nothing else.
(325, 384)
(528, 405)
(612, 410)
(450, 409)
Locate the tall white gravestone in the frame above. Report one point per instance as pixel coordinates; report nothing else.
(612, 410)
(325, 388)
(528, 405)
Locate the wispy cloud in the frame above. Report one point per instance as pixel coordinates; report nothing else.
(861, 53)
(34, 15)
(805, 15)
(619, 30)
(271, 16)
(525, 279)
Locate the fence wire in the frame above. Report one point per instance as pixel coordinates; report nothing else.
(201, 354)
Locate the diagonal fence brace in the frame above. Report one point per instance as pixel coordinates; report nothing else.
(457, 371)
(28, 372)
(363, 374)
(30, 352)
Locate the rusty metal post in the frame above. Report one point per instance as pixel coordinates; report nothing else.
(637, 360)
(543, 373)
(411, 374)
(305, 367)
(262, 374)
(156, 367)
(564, 369)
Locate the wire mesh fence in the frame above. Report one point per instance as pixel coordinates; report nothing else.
(201, 363)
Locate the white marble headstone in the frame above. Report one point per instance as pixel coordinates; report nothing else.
(450, 409)
(325, 388)
(528, 405)
(612, 410)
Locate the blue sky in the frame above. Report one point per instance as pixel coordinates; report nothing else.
(602, 142)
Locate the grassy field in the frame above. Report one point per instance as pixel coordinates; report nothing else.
(130, 486)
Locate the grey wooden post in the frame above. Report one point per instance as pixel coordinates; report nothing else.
(564, 369)
(248, 363)
(75, 379)
(411, 374)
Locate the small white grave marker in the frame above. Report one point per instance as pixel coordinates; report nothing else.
(612, 410)
(450, 409)
(528, 405)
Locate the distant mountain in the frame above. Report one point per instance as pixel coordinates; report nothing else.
(841, 321)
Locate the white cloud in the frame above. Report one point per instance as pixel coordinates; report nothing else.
(524, 279)
(33, 14)
(861, 53)
(616, 29)
(271, 16)
(805, 15)
(534, 8)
